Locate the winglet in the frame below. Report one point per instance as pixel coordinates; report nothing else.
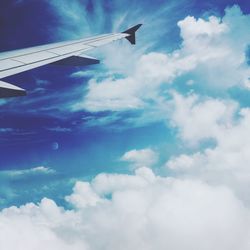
(131, 33)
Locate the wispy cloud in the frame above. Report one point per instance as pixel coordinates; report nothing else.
(60, 129)
(41, 170)
(6, 130)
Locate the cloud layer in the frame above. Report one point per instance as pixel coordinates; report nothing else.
(145, 211)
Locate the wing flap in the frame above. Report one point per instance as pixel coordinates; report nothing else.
(9, 90)
(81, 60)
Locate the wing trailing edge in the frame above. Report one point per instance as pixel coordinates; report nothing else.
(9, 90)
(81, 60)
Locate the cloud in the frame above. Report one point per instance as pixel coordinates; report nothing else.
(80, 74)
(135, 91)
(3, 102)
(111, 96)
(198, 118)
(26, 172)
(33, 227)
(60, 129)
(83, 196)
(18, 183)
(74, 17)
(145, 211)
(218, 47)
(141, 158)
(209, 53)
(225, 163)
(6, 130)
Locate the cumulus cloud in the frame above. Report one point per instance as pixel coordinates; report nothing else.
(83, 196)
(140, 158)
(218, 47)
(227, 162)
(145, 211)
(198, 118)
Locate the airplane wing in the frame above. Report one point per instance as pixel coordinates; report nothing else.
(63, 53)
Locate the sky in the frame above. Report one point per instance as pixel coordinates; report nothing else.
(148, 149)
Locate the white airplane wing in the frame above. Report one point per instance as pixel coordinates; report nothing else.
(63, 53)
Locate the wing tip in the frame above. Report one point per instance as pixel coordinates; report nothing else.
(131, 32)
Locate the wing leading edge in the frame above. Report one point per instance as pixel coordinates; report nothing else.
(63, 53)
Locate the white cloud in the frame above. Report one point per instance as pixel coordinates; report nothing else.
(6, 130)
(135, 91)
(200, 118)
(111, 94)
(106, 184)
(218, 47)
(84, 73)
(141, 158)
(42, 169)
(145, 213)
(35, 227)
(227, 162)
(25, 172)
(83, 196)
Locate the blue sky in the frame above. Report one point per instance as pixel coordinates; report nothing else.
(174, 109)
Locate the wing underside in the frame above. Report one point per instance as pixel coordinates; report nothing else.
(63, 53)
(9, 90)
